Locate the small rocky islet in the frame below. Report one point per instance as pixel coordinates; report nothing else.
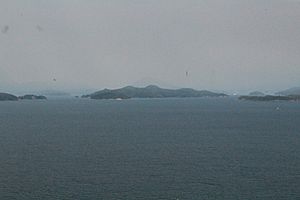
(11, 97)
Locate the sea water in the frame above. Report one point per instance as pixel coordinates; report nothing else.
(191, 148)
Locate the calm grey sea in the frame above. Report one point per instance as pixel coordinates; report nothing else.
(147, 149)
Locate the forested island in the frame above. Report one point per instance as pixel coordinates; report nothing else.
(150, 91)
(32, 97)
(11, 97)
(8, 97)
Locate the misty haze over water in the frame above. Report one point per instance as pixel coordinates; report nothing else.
(224, 45)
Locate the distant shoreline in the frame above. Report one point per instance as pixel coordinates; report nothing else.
(151, 92)
(11, 97)
(271, 98)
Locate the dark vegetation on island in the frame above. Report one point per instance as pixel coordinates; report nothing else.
(271, 98)
(10, 97)
(32, 97)
(150, 91)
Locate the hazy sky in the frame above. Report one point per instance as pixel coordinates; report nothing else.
(233, 45)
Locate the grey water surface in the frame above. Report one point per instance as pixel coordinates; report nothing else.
(193, 148)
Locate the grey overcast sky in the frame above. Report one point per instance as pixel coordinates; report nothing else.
(233, 45)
